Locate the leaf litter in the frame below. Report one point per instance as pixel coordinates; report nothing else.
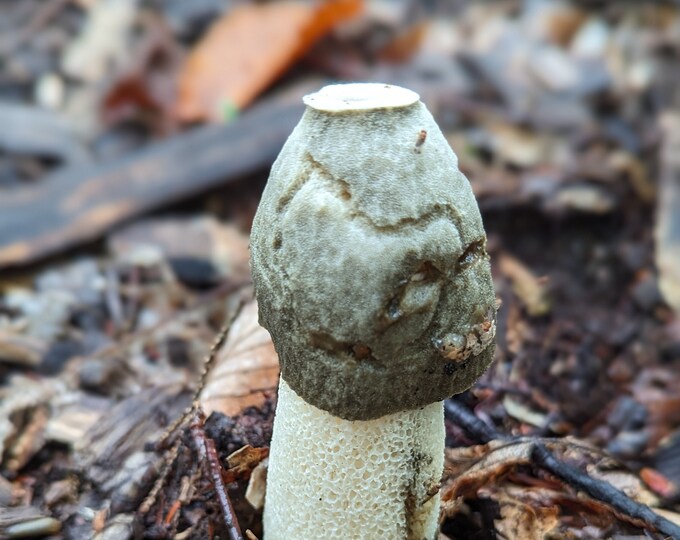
(562, 116)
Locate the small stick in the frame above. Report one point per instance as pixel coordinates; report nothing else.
(168, 461)
(212, 355)
(208, 454)
(193, 411)
(172, 512)
(471, 424)
(597, 489)
(227, 509)
(207, 367)
(603, 491)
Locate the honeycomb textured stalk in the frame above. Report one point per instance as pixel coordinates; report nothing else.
(353, 480)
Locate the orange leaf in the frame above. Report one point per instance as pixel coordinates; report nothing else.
(246, 369)
(248, 48)
(657, 482)
(243, 461)
(406, 44)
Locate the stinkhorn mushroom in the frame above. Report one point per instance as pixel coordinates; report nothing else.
(372, 277)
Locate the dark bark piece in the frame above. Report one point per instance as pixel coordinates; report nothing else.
(129, 425)
(11, 516)
(666, 460)
(207, 454)
(76, 205)
(34, 131)
(471, 424)
(112, 455)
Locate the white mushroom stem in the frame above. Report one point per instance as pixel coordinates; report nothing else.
(335, 478)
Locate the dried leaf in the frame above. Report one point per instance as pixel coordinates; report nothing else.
(246, 369)
(245, 459)
(570, 507)
(521, 520)
(406, 44)
(24, 410)
(667, 227)
(102, 41)
(29, 441)
(657, 482)
(558, 22)
(218, 251)
(521, 147)
(658, 389)
(498, 458)
(523, 413)
(257, 485)
(248, 49)
(671, 516)
(20, 349)
(587, 198)
(65, 490)
(626, 482)
(531, 290)
(144, 90)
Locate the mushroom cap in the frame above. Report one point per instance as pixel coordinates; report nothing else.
(369, 261)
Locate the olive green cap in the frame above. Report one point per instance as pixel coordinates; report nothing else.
(368, 257)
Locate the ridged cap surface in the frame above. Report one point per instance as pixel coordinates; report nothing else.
(369, 261)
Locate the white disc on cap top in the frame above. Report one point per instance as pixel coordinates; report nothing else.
(360, 97)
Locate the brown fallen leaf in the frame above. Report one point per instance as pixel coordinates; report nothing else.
(531, 290)
(21, 349)
(246, 369)
(24, 413)
(202, 239)
(497, 459)
(143, 90)
(244, 460)
(247, 49)
(669, 515)
(521, 147)
(29, 441)
(406, 44)
(521, 520)
(524, 413)
(667, 226)
(561, 22)
(658, 389)
(552, 508)
(257, 485)
(624, 481)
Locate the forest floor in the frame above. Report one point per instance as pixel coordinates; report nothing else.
(131, 164)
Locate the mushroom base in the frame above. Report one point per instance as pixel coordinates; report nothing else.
(335, 478)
